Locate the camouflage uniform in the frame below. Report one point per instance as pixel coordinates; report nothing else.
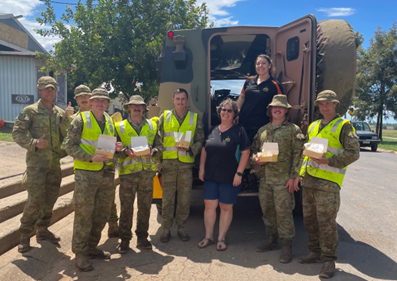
(93, 193)
(43, 177)
(177, 179)
(321, 199)
(140, 183)
(276, 202)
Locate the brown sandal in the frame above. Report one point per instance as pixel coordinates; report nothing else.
(219, 245)
(205, 243)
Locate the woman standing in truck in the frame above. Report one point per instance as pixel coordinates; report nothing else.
(257, 93)
(221, 170)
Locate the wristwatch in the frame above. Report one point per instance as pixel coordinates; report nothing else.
(239, 174)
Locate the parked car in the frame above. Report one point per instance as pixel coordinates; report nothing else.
(366, 136)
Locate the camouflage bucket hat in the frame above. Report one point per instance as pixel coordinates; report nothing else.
(99, 93)
(278, 100)
(45, 82)
(326, 95)
(82, 90)
(135, 99)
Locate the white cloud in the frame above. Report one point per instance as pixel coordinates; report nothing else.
(29, 10)
(337, 12)
(218, 13)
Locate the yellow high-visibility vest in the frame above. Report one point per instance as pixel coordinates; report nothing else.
(133, 165)
(171, 125)
(331, 132)
(89, 139)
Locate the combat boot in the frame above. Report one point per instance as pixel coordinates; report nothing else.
(311, 257)
(268, 245)
(286, 252)
(144, 243)
(182, 234)
(113, 230)
(99, 254)
(123, 247)
(44, 234)
(82, 263)
(24, 244)
(328, 269)
(165, 235)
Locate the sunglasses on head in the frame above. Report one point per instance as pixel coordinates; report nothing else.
(228, 110)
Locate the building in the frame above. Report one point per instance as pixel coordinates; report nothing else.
(19, 69)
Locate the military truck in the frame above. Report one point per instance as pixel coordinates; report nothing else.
(213, 63)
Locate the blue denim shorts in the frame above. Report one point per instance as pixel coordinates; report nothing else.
(226, 193)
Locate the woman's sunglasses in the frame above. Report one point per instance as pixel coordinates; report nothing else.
(228, 110)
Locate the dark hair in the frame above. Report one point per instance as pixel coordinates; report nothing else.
(230, 102)
(180, 90)
(269, 60)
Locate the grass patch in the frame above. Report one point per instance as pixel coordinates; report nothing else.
(388, 144)
(389, 133)
(5, 137)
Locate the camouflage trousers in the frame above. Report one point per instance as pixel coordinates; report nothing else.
(42, 185)
(176, 180)
(92, 199)
(320, 209)
(277, 205)
(140, 183)
(113, 211)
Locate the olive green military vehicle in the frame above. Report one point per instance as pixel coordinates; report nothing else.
(213, 63)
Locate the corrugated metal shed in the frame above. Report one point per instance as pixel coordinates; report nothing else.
(19, 69)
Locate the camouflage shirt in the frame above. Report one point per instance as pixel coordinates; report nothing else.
(73, 140)
(290, 143)
(351, 152)
(33, 122)
(198, 138)
(157, 143)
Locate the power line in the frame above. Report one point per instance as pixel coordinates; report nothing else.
(63, 3)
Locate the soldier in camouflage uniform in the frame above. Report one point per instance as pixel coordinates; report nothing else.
(277, 178)
(322, 180)
(94, 176)
(82, 94)
(178, 163)
(40, 129)
(136, 173)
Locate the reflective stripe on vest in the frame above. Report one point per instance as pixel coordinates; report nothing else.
(89, 140)
(171, 125)
(133, 165)
(331, 132)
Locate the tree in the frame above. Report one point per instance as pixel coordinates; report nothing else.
(376, 89)
(115, 42)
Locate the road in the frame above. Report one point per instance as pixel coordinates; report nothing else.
(367, 249)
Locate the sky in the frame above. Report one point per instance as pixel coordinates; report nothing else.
(365, 16)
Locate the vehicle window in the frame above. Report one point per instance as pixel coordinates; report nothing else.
(366, 127)
(293, 48)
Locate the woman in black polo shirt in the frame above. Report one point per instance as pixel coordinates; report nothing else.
(223, 159)
(257, 93)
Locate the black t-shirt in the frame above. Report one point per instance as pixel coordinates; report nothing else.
(257, 98)
(221, 148)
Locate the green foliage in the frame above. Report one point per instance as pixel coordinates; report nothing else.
(394, 126)
(115, 42)
(376, 90)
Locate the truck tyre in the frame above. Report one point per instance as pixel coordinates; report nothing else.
(374, 147)
(336, 61)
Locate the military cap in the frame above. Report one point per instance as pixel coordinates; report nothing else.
(82, 90)
(45, 82)
(326, 95)
(100, 93)
(135, 99)
(278, 100)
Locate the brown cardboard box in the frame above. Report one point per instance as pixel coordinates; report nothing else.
(105, 146)
(107, 153)
(316, 148)
(182, 144)
(141, 151)
(267, 157)
(140, 146)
